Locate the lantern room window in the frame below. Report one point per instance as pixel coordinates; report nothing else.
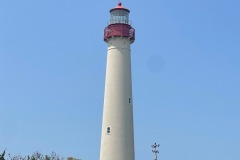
(119, 16)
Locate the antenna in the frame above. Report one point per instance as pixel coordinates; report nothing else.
(154, 150)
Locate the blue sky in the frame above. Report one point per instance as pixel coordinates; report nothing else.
(185, 70)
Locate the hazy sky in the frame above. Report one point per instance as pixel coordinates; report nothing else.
(185, 69)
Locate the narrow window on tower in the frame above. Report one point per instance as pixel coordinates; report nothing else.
(108, 130)
(129, 100)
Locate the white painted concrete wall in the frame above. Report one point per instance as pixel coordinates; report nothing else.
(118, 112)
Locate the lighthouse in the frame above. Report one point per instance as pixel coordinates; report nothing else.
(117, 140)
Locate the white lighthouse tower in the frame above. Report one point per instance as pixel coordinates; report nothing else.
(117, 142)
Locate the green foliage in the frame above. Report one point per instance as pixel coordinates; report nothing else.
(71, 158)
(36, 156)
(2, 155)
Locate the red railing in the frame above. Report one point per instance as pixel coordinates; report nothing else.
(119, 30)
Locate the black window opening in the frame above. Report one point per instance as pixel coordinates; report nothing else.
(108, 130)
(129, 100)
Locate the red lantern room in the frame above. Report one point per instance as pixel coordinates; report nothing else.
(119, 24)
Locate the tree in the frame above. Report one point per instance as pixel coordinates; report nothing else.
(71, 158)
(35, 156)
(2, 155)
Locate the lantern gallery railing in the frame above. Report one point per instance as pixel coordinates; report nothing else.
(115, 21)
(119, 30)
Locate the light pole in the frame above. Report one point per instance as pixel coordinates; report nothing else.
(154, 150)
